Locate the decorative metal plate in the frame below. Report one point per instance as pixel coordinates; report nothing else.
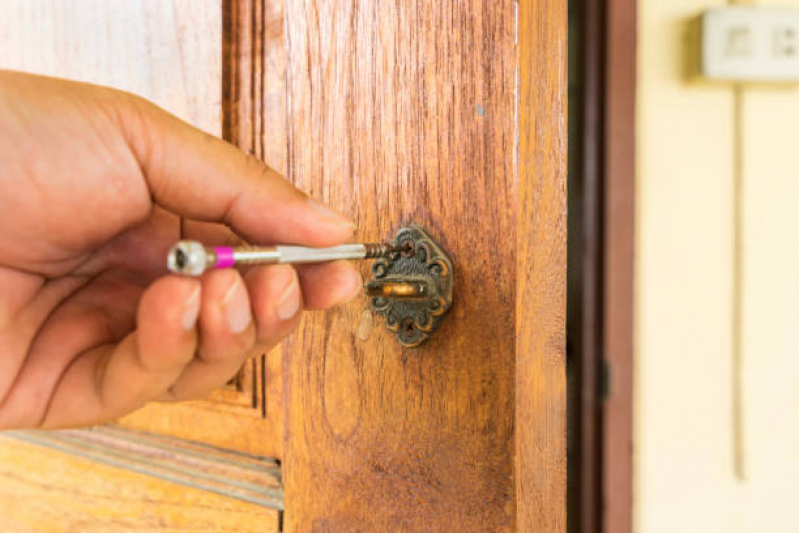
(412, 287)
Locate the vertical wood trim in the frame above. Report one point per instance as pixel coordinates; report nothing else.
(254, 73)
(237, 72)
(603, 482)
(242, 74)
(541, 243)
(254, 119)
(619, 251)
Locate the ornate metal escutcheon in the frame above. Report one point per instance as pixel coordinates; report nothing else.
(412, 286)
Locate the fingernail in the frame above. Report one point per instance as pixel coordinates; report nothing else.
(191, 310)
(236, 306)
(289, 303)
(331, 214)
(352, 286)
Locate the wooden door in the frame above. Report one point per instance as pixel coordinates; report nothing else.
(449, 114)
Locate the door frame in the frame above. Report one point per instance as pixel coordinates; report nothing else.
(602, 314)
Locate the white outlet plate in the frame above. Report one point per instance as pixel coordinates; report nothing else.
(751, 44)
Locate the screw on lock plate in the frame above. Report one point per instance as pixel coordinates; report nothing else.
(412, 286)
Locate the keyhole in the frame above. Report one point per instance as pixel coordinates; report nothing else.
(408, 327)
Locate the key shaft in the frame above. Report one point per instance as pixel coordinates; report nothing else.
(193, 258)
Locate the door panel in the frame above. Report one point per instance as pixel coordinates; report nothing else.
(405, 112)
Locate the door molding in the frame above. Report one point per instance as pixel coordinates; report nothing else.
(602, 318)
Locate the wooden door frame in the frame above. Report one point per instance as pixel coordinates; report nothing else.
(603, 315)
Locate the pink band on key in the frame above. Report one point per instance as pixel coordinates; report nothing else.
(224, 257)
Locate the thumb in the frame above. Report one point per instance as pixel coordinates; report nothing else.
(201, 177)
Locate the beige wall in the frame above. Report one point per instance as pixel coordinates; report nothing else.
(685, 442)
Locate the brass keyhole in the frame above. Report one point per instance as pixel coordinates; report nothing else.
(412, 286)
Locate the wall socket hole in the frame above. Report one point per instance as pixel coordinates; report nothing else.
(785, 42)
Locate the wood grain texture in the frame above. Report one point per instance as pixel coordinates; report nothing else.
(541, 241)
(407, 112)
(46, 491)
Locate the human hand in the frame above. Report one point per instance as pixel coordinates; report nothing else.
(92, 184)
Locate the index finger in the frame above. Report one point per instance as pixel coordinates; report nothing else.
(201, 177)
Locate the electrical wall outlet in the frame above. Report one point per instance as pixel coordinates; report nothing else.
(751, 44)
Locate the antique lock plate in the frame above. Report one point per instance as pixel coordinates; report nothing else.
(412, 286)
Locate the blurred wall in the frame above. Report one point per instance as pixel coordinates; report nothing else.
(718, 207)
